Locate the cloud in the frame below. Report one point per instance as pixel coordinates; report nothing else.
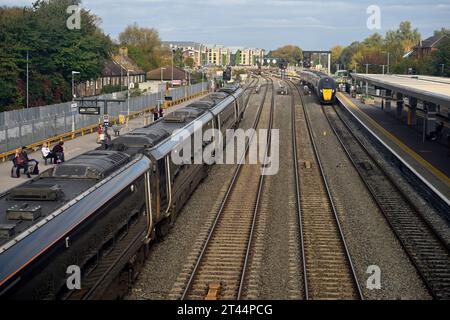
(264, 23)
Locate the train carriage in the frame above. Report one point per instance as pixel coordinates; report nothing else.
(323, 85)
(100, 211)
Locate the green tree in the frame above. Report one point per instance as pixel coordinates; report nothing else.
(144, 47)
(440, 58)
(336, 53)
(54, 52)
(189, 61)
(238, 58)
(290, 53)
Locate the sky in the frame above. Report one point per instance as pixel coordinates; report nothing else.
(268, 24)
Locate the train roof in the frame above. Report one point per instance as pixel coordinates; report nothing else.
(169, 144)
(154, 135)
(314, 73)
(30, 203)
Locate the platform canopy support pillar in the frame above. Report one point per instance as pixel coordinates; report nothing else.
(388, 100)
(412, 112)
(430, 109)
(400, 105)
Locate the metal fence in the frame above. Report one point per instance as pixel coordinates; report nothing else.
(28, 126)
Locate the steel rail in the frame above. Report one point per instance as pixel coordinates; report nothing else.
(225, 199)
(329, 194)
(412, 257)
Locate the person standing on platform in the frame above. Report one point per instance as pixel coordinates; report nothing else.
(99, 133)
(155, 115)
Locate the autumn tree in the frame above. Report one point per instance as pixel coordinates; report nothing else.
(336, 53)
(144, 46)
(290, 53)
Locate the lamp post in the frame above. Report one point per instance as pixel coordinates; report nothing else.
(73, 84)
(128, 83)
(28, 94)
(73, 98)
(367, 83)
(173, 53)
(161, 101)
(388, 62)
(203, 76)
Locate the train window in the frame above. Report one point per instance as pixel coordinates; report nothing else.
(107, 247)
(122, 233)
(90, 265)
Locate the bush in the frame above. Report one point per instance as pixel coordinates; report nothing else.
(110, 89)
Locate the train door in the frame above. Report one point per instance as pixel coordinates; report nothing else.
(163, 191)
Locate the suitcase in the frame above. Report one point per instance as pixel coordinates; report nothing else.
(14, 173)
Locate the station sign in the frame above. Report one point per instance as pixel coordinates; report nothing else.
(89, 110)
(106, 120)
(167, 98)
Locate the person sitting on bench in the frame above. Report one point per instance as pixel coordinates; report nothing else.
(436, 134)
(58, 151)
(32, 161)
(20, 163)
(47, 154)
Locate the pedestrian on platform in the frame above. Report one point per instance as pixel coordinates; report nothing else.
(58, 150)
(29, 161)
(20, 163)
(155, 115)
(47, 153)
(99, 133)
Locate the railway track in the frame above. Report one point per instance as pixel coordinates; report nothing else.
(100, 271)
(425, 248)
(327, 267)
(219, 271)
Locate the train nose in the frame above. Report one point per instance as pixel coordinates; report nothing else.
(327, 94)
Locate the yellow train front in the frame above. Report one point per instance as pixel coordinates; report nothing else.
(323, 85)
(326, 90)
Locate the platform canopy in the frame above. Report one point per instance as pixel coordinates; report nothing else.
(425, 88)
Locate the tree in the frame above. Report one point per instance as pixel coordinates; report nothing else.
(189, 61)
(290, 53)
(400, 41)
(346, 57)
(238, 58)
(336, 53)
(442, 32)
(440, 58)
(54, 52)
(144, 47)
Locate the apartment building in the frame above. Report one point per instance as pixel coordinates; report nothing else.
(217, 55)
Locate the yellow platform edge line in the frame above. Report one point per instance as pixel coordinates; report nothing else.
(435, 171)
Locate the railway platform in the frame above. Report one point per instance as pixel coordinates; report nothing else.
(430, 160)
(73, 148)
